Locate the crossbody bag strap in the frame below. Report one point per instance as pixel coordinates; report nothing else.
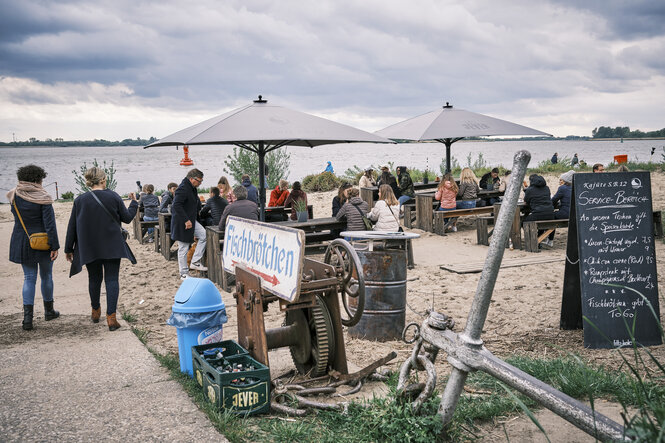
(104, 207)
(391, 211)
(20, 218)
(359, 211)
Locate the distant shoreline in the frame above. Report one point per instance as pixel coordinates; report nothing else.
(471, 139)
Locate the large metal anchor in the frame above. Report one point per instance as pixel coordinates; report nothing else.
(466, 353)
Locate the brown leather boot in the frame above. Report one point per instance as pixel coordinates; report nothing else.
(96, 314)
(112, 322)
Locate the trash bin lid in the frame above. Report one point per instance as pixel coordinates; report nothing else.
(197, 295)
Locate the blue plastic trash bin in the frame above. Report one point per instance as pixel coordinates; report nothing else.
(198, 315)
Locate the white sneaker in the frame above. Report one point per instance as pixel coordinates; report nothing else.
(198, 266)
(454, 228)
(184, 276)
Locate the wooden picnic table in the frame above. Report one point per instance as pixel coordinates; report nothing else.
(371, 193)
(425, 204)
(316, 224)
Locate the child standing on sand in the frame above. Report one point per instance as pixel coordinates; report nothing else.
(150, 204)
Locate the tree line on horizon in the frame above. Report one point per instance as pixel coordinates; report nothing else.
(59, 142)
(624, 132)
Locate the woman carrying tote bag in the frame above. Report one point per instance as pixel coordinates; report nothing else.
(95, 239)
(33, 213)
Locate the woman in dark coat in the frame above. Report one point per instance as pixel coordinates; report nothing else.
(537, 199)
(562, 199)
(35, 207)
(94, 239)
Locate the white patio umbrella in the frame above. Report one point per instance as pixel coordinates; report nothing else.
(448, 125)
(261, 128)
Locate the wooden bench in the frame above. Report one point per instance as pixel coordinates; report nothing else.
(482, 226)
(531, 237)
(140, 227)
(440, 227)
(214, 251)
(165, 241)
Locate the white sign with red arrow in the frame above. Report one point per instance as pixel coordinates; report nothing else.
(274, 253)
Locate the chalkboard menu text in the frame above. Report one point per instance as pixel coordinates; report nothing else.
(615, 260)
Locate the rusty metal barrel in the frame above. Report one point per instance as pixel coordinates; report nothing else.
(383, 258)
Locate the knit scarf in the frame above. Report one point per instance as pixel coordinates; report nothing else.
(32, 192)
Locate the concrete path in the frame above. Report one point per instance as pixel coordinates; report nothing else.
(72, 380)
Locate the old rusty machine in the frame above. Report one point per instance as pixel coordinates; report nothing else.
(312, 327)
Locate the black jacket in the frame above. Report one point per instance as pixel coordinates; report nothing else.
(92, 234)
(389, 179)
(562, 197)
(240, 208)
(186, 206)
(167, 199)
(37, 218)
(537, 197)
(487, 182)
(212, 211)
(336, 205)
(406, 184)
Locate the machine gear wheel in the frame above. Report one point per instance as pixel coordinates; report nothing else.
(321, 336)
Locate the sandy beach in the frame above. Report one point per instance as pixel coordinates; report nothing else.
(523, 317)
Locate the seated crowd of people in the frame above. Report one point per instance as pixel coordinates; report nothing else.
(190, 216)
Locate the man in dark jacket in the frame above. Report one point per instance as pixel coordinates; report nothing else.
(242, 207)
(252, 192)
(212, 211)
(387, 178)
(405, 185)
(184, 226)
(537, 199)
(490, 182)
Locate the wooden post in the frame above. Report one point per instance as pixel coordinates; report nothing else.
(367, 194)
(424, 213)
(165, 234)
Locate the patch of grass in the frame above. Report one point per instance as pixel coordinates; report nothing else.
(129, 317)
(141, 334)
(392, 419)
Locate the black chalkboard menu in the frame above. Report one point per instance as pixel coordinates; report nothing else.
(611, 264)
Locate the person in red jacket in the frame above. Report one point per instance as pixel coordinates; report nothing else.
(279, 194)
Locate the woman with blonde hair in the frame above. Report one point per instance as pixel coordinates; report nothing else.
(95, 239)
(225, 189)
(385, 212)
(468, 189)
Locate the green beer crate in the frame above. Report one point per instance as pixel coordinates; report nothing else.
(230, 347)
(245, 392)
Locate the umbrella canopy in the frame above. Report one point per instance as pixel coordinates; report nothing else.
(261, 128)
(448, 125)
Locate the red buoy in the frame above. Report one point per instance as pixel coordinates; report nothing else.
(186, 161)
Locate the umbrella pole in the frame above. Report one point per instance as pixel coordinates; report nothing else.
(262, 181)
(448, 142)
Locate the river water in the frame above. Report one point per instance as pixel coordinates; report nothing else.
(160, 166)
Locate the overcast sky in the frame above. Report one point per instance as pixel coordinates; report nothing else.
(134, 68)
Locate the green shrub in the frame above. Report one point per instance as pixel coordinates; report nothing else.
(243, 161)
(79, 178)
(325, 181)
(69, 195)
